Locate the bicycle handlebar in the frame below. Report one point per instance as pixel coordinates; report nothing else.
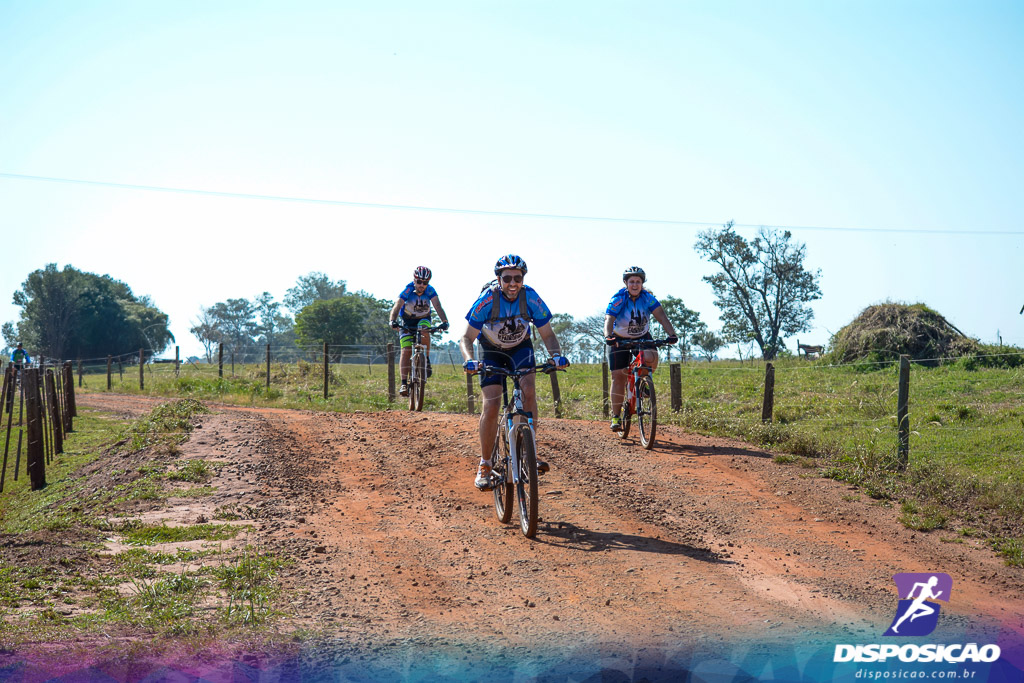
(429, 330)
(641, 344)
(546, 368)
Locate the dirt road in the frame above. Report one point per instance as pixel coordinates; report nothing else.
(696, 540)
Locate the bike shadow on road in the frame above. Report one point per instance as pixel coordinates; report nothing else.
(571, 536)
(696, 451)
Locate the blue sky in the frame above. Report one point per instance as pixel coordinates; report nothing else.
(892, 128)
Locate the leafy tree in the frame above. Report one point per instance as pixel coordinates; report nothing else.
(70, 313)
(686, 321)
(206, 331)
(235, 320)
(376, 315)
(762, 288)
(315, 286)
(589, 337)
(708, 342)
(334, 321)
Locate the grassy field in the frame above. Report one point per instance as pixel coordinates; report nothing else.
(966, 469)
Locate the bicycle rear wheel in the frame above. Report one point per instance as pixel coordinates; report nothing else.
(646, 411)
(421, 386)
(527, 486)
(503, 492)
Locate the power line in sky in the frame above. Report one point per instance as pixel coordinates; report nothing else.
(484, 212)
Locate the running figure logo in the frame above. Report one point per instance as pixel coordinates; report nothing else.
(916, 616)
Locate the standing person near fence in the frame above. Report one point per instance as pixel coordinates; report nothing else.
(500, 318)
(628, 318)
(413, 307)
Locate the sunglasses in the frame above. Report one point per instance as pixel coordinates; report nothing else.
(421, 282)
(511, 278)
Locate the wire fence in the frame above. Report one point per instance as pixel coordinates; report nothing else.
(947, 414)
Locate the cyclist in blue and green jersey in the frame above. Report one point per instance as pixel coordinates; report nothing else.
(500, 319)
(413, 307)
(628, 318)
(20, 357)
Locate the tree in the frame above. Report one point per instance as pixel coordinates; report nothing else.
(206, 331)
(762, 288)
(687, 322)
(708, 342)
(313, 287)
(332, 321)
(589, 337)
(69, 313)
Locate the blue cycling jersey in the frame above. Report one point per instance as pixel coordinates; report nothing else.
(510, 329)
(632, 316)
(416, 306)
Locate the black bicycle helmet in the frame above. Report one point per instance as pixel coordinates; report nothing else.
(509, 261)
(421, 273)
(634, 270)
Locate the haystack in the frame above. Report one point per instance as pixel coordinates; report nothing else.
(885, 331)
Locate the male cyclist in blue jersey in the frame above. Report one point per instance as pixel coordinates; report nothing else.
(628, 318)
(413, 306)
(19, 358)
(500, 319)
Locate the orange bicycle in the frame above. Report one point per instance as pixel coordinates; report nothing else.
(640, 398)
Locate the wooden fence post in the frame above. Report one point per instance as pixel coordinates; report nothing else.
(142, 367)
(220, 359)
(79, 373)
(268, 366)
(327, 370)
(391, 372)
(70, 391)
(177, 360)
(109, 382)
(903, 412)
(604, 388)
(470, 402)
(55, 413)
(556, 394)
(232, 362)
(34, 454)
(675, 374)
(768, 406)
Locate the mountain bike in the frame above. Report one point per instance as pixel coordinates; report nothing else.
(418, 370)
(640, 398)
(514, 456)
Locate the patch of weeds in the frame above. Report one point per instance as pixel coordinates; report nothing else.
(849, 499)
(232, 512)
(194, 492)
(922, 518)
(250, 583)
(167, 424)
(950, 539)
(970, 532)
(784, 459)
(171, 601)
(1012, 550)
(194, 471)
(151, 535)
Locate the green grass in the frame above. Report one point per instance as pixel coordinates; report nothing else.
(138, 534)
(966, 418)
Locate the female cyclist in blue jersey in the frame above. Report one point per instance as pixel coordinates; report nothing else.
(628, 318)
(413, 307)
(500, 319)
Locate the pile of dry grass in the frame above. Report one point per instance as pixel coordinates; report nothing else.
(885, 331)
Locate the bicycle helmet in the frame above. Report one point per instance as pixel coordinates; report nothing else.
(634, 270)
(421, 273)
(509, 261)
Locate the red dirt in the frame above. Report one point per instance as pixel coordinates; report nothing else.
(695, 538)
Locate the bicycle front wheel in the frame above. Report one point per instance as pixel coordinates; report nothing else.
(627, 417)
(526, 488)
(421, 385)
(646, 411)
(503, 492)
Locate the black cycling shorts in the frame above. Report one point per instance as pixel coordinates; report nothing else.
(620, 358)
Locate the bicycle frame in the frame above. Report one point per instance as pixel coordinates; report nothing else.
(637, 368)
(511, 409)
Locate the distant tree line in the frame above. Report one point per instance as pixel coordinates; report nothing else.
(761, 288)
